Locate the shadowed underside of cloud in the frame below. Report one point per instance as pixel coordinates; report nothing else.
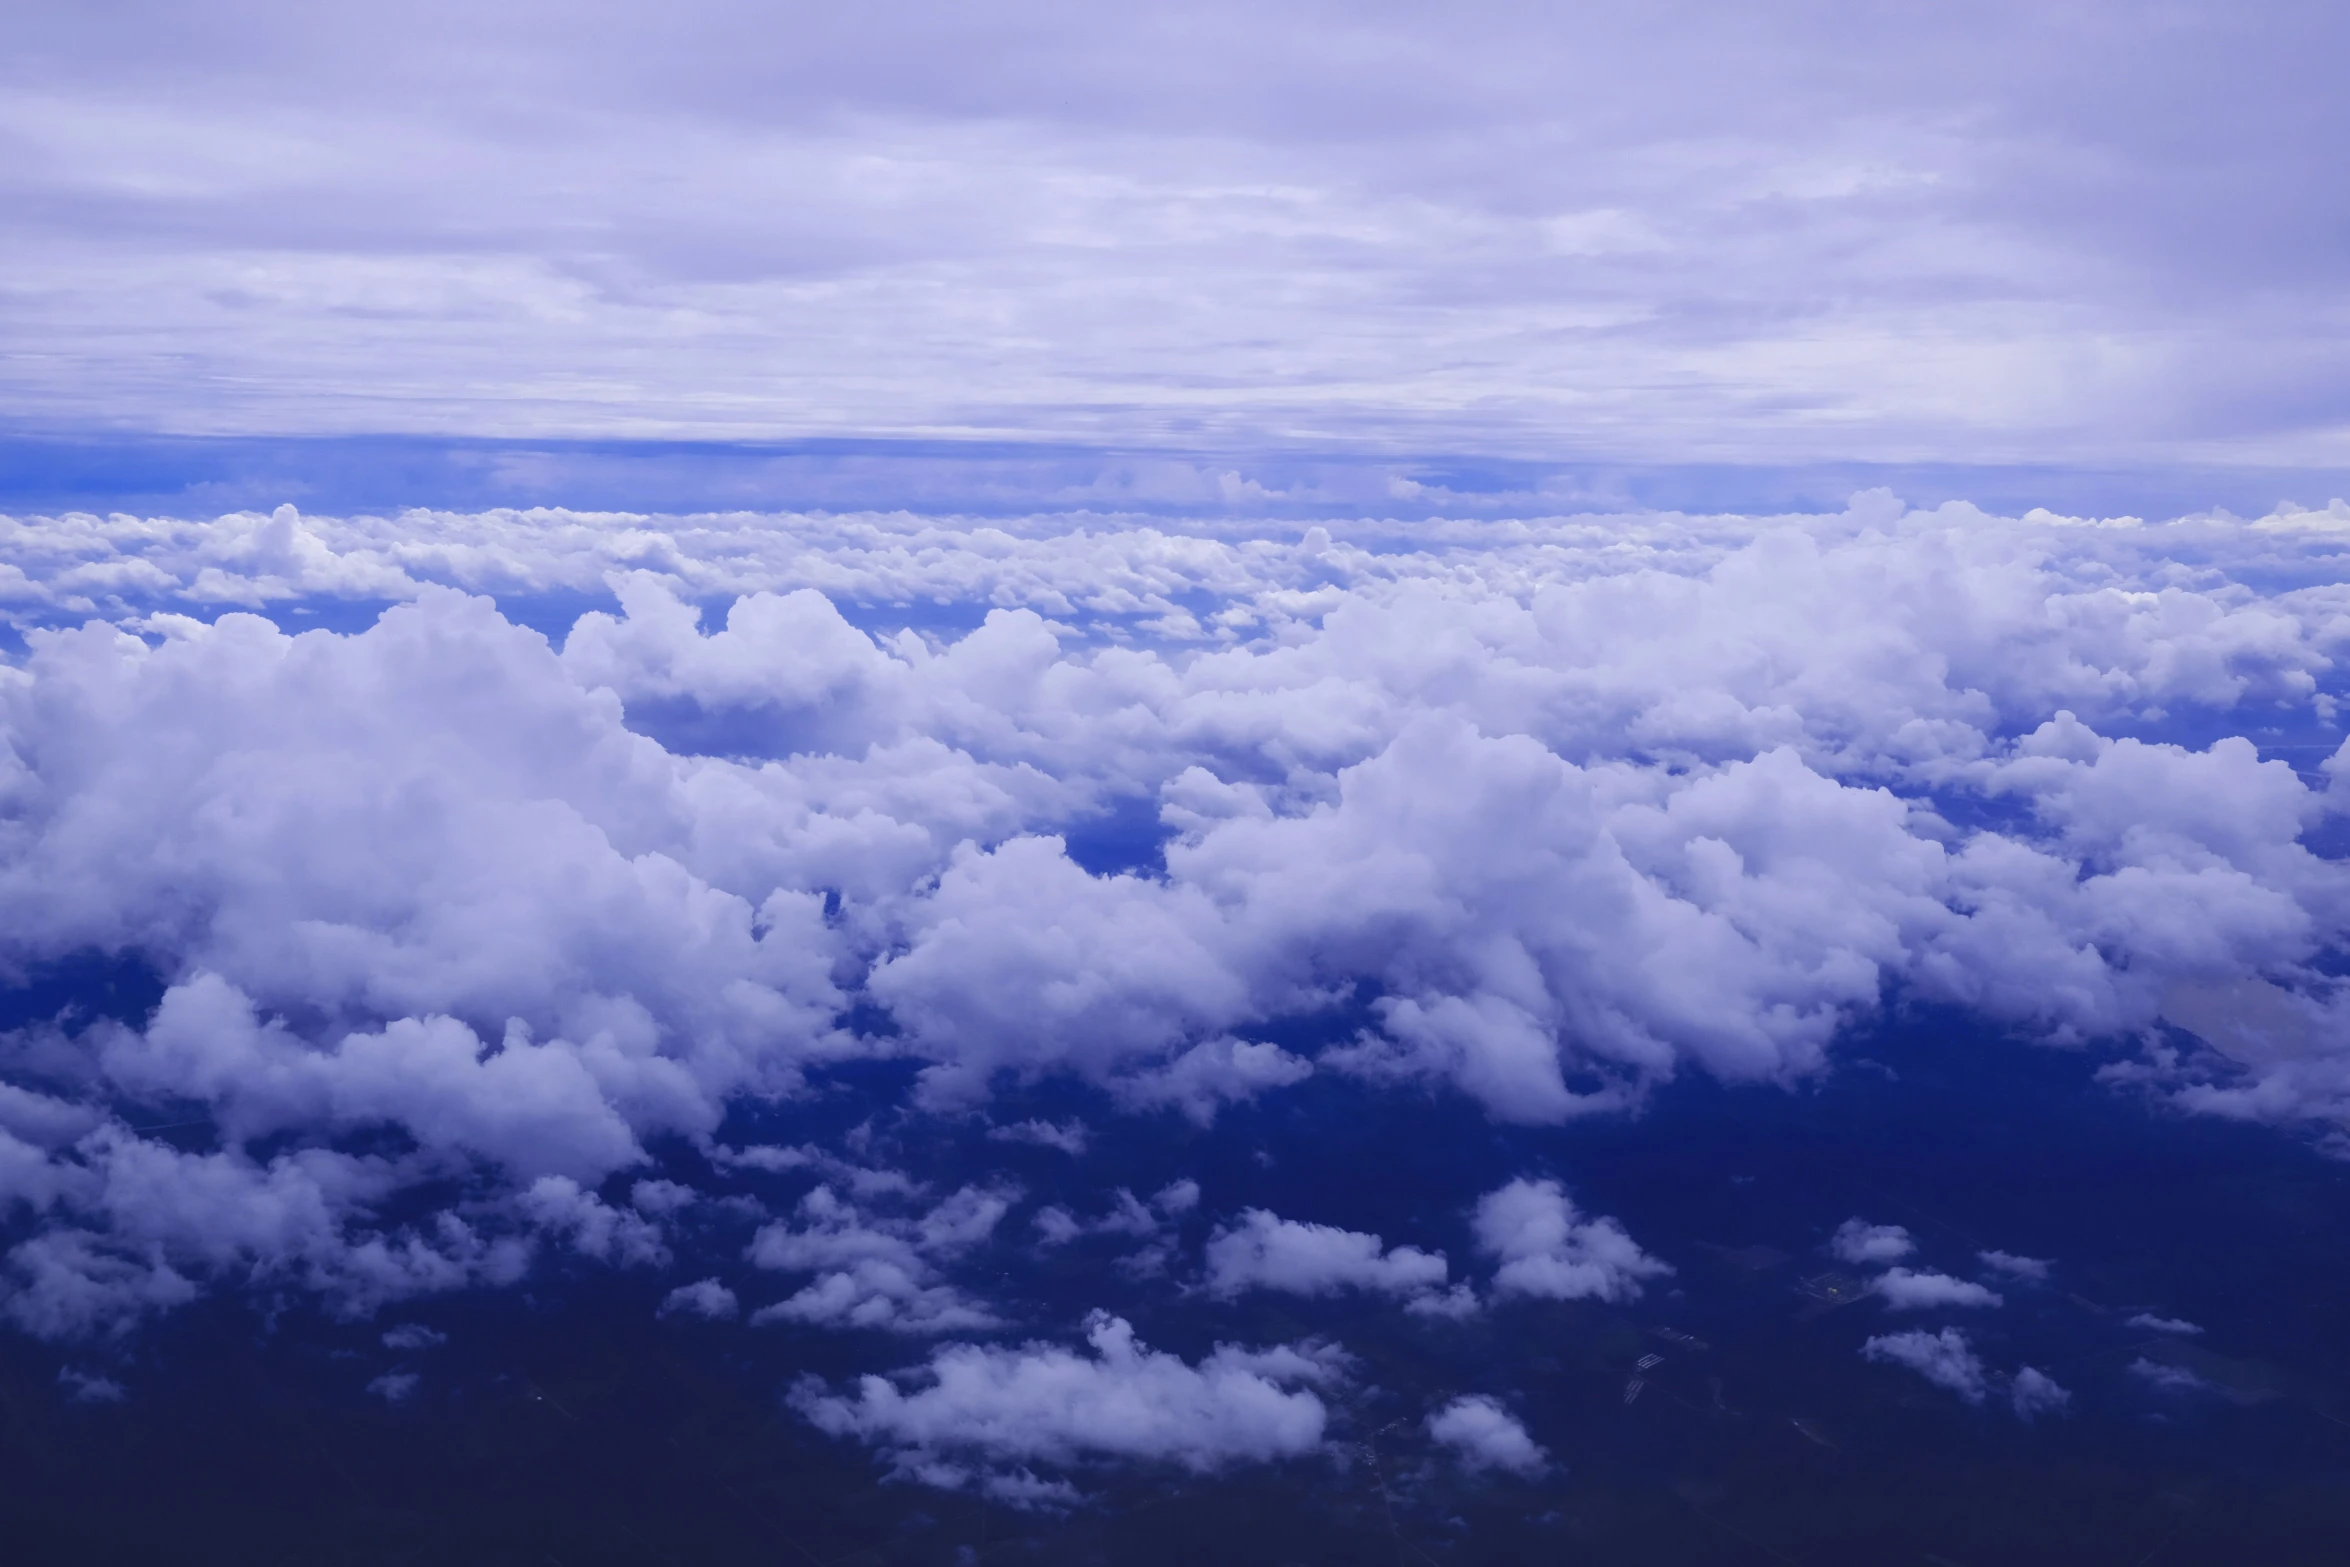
(1560, 809)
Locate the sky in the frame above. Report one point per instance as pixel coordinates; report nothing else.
(1046, 783)
(2067, 236)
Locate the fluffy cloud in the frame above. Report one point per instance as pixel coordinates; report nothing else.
(703, 1298)
(1553, 811)
(1483, 1435)
(2034, 1393)
(1265, 1251)
(2034, 1269)
(2154, 1324)
(1545, 1248)
(878, 1271)
(1945, 1359)
(973, 1410)
(1906, 1290)
(1864, 1244)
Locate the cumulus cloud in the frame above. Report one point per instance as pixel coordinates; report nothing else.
(2034, 1393)
(1550, 812)
(1264, 1251)
(1483, 1435)
(705, 1298)
(1945, 1359)
(974, 1411)
(877, 1270)
(1543, 1247)
(1864, 1244)
(2033, 1269)
(1903, 1289)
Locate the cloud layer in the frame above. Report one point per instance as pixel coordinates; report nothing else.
(1539, 814)
(1685, 234)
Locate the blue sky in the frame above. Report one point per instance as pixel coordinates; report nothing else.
(2063, 239)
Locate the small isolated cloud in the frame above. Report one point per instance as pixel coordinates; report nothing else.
(2154, 1324)
(1865, 1245)
(1069, 1136)
(1904, 1290)
(978, 1414)
(703, 1298)
(395, 1387)
(409, 1336)
(1265, 1251)
(2035, 1393)
(1546, 1249)
(88, 1387)
(2015, 1267)
(2167, 1379)
(1944, 1359)
(1483, 1435)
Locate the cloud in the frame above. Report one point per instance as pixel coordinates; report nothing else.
(1264, 1251)
(1863, 1244)
(1543, 814)
(1905, 1290)
(1545, 1249)
(2167, 1379)
(974, 1410)
(89, 1387)
(1944, 1359)
(1087, 210)
(2154, 1324)
(706, 1298)
(1070, 1137)
(2034, 1269)
(875, 1270)
(409, 1336)
(395, 1387)
(1483, 1435)
(2034, 1393)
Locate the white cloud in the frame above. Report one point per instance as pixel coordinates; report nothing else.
(2034, 1393)
(1546, 1249)
(1906, 1290)
(1265, 1251)
(875, 1270)
(2154, 1324)
(1864, 1244)
(1483, 1435)
(703, 1298)
(395, 1387)
(1944, 1359)
(413, 1336)
(1569, 806)
(2035, 1269)
(973, 1409)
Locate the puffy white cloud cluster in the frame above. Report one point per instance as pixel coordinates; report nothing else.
(1545, 1248)
(879, 1271)
(1945, 1359)
(1553, 811)
(1481, 1434)
(984, 1414)
(1265, 1251)
(1864, 1244)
